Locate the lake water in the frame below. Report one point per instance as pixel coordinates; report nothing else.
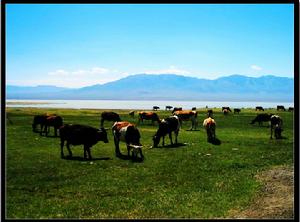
(140, 105)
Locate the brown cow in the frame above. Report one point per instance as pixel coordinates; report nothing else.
(210, 126)
(55, 121)
(148, 116)
(185, 115)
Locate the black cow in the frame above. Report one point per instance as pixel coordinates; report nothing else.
(209, 113)
(169, 107)
(155, 108)
(55, 121)
(194, 108)
(280, 108)
(128, 133)
(81, 135)
(226, 107)
(176, 109)
(131, 113)
(39, 120)
(259, 108)
(167, 126)
(276, 124)
(291, 109)
(109, 116)
(236, 111)
(260, 118)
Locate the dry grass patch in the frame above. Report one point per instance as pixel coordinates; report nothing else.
(276, 197)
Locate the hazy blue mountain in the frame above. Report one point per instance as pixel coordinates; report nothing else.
(169, 87)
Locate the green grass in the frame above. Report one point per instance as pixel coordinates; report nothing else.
(196, 180)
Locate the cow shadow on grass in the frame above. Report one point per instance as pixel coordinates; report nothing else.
(215, 141)
(193, 130)
(125, 157)
(79, 158)
(172, 146)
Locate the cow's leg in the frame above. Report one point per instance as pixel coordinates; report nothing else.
(176, 135)
(88, 150)
(163, 141)
(101, 123)
(68, 147)
(128, 150)
(271, 131)
(141, 153)
(117, 148)
(62, 141)
(41, 131)
(170, 137)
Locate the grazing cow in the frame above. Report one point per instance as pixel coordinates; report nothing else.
(194, 108)
(237, 111)
(55, 121)
(131, 113)
(155, 108)
(280, 108)
(226, 107)
(209, 113)
(176, 109)
(81, 135)
(169, 107)
(276, 124)
(148, 116)
(260, 118)
(185, 115)
(167, 126)
(39, 120)
(128, 133)
(210, 126)
(291, 109)
(259, 108)
(109, 116)
(225, 111)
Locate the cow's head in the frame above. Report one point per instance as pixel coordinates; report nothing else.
(102, 135)
(156, 140)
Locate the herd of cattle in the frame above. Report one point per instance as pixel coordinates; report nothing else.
(76, 134)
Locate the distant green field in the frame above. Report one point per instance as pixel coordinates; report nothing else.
(195, 180)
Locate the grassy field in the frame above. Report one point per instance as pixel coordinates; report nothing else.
(194, 180)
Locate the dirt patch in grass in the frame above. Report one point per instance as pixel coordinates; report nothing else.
(275, 199)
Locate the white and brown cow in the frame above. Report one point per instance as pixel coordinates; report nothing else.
(186, 115)
(128, 133)
(210, 126)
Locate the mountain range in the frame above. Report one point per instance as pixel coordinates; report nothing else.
(169, 87)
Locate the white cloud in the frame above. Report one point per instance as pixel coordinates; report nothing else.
(255, 67)
(59, 72)
(170, 70)
(80, 77)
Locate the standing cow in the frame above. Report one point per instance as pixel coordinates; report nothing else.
(276, 125)
(148, 116)
(210, 126)
(55, 121)
(39, 120)
(109, 116)
(81, 135)
(260, 118)
(167, 126)
(185, 115)
(128, 133)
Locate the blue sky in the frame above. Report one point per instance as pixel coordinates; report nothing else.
(79, 45)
